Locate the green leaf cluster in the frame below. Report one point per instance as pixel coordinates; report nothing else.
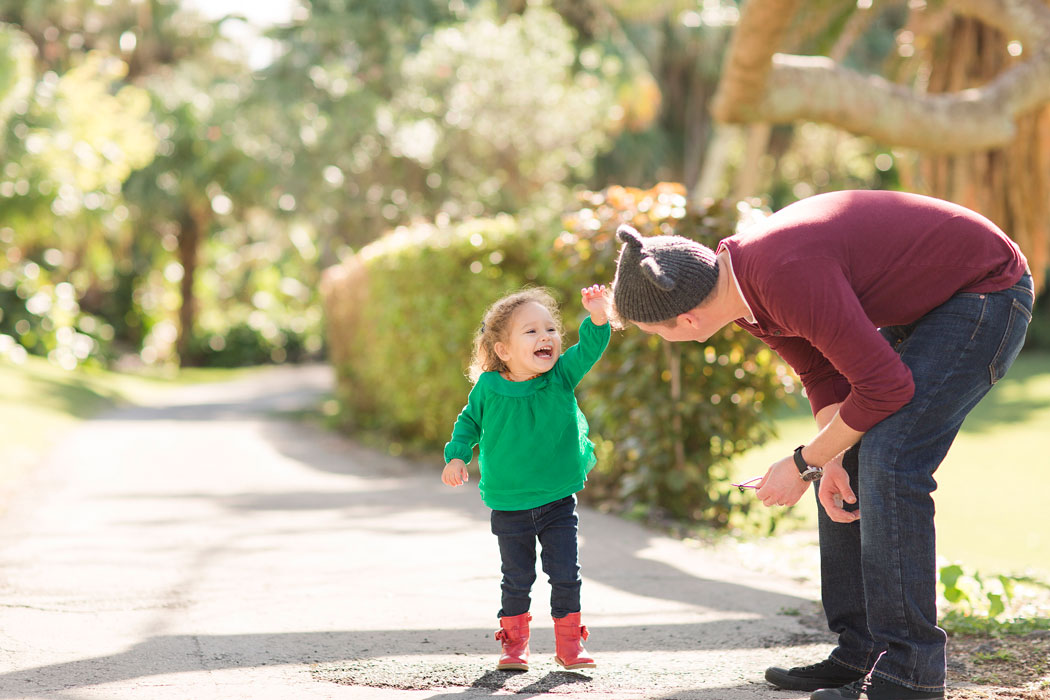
(666, 418)
(73, 140)
(987, 605)
(401, 317)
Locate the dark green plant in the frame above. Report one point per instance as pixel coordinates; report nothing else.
(981, 605)
(669, 416)
(666, 418)
(402, 315)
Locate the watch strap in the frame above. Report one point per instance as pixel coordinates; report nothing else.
(806, 471)
(799, 461)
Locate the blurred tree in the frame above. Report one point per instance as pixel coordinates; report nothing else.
(70, 146)
(491, 136)
(16, 73)
(669, 54)
(76, 152)
(997, 84)
(1009, 182)
(318, 105)
(389, 111)
(144, 33)
(246, 279)
(138, 271)
(177, 197)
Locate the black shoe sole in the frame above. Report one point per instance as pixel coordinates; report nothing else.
(781, 678)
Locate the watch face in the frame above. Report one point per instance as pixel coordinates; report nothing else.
(812, 474)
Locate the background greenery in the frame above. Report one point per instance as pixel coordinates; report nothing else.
(165, 201)
(998, 454)
(665, 419)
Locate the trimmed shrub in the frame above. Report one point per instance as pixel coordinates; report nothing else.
(665, 417)
(401, 317)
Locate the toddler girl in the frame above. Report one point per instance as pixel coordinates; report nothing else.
(534, 456)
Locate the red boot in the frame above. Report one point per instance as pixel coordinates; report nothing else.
(568, 642)
(513, 634)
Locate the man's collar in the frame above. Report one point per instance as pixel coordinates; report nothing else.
(750, 317)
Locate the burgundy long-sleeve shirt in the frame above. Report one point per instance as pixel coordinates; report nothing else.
(823, 274)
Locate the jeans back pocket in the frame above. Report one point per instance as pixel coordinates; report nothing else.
(1013, 339)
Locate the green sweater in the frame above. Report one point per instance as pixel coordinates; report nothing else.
(533, 437)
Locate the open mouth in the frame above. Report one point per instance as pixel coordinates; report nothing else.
(544, 353)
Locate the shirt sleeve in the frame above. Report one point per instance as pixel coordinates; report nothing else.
(818, 307)
(467, 430)
(824, 384)
(578, 360)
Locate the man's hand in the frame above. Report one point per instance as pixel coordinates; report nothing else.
(455, 473)
(835, 491)
(781, 486)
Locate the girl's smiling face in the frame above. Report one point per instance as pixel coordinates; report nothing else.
(533, 343)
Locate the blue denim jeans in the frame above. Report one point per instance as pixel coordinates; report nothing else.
(555, 526)
(879, 574)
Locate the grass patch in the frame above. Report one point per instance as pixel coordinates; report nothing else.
(989, 504)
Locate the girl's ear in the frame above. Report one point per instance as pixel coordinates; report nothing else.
(501, 351)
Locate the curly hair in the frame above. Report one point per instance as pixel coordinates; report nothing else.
(494, 327)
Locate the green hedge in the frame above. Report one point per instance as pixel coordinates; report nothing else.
(665, 417)
(401, 317)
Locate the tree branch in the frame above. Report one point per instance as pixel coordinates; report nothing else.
(759, 32)
(759, 85)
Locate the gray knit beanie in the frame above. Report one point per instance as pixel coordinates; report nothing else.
(659, 277)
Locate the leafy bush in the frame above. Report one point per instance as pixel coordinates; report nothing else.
(668, 416)
(991, 605)
(665, 417)
(241, 345)
(401, 317)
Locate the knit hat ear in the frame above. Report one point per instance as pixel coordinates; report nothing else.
(659, 277)
(652, 270)
(650, 267)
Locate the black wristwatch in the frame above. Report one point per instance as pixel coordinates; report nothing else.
(805, 471)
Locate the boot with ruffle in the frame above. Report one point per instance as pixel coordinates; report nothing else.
(513, 634)
(568, 642)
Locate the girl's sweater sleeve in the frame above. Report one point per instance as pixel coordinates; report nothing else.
(578, 360)
(467, 430)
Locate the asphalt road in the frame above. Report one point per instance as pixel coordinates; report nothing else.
(208, 548)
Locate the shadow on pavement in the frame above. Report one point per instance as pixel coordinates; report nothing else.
(614, 553)
(170, 654)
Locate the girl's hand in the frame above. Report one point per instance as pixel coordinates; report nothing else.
(781, 485)
(455, 473)
(594, 301)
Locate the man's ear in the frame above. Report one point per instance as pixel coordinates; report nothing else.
(687, 319)
(501, 351)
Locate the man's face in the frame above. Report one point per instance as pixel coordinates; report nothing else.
(686, 327)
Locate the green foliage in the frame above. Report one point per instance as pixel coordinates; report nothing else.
(388, 111)
(665, 417)
(16, 72)
(254, 275)
(490, 135)
(977, 605)
(669, 416)
(75, 141)
(403, 345)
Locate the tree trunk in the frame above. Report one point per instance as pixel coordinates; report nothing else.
(191, 229)
(980, 124)
(1009, 185)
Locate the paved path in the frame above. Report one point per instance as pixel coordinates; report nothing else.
(206, 548)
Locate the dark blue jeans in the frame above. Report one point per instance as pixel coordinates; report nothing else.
(555, 526)
(879, 574)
